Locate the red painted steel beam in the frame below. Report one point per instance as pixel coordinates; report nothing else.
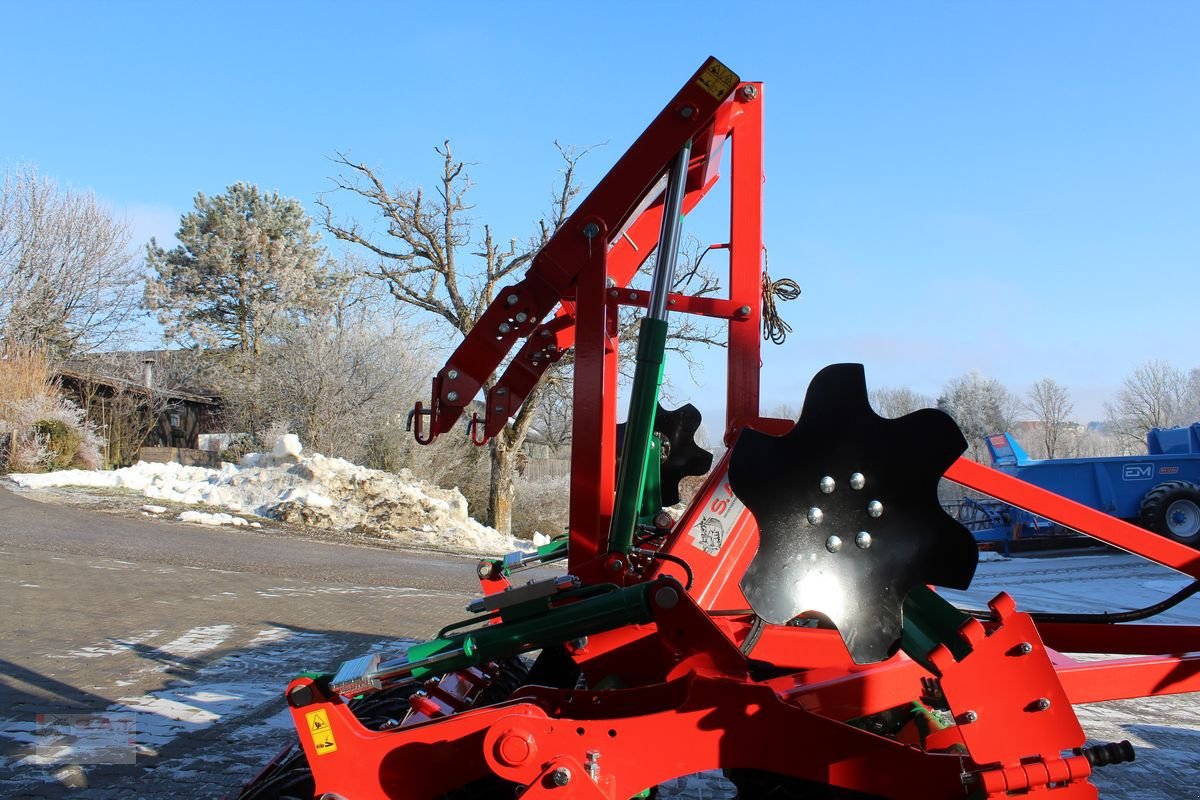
(1130, 678)
(1076, 516)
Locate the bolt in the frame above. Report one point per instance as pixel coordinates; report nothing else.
(857, 481)
(613, 293)
(498, 409)
(452, 374)
(512, 299)
(969, 717)
(686, 112)
(545, 333)
(815, 515)
(501, 391)
(666, 597)
(578, 644)
(744, 311)
(749, 92)
(593, 763)
(1042, 704)
(1024, 648)
(484, 569)
(833, 544)
(591, 230)
(827, 485)
(863, 540)
(633, 295)
(560, 776)
(875, 509)
(617, 565)
(452, 396)
(521, 316)
(671, 302)
(505, 327)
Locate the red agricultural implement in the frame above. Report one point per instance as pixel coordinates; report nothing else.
(784, 628)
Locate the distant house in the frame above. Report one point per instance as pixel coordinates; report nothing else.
(131, 415)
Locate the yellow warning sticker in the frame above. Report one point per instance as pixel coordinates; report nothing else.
(717, 79)
(322, 734)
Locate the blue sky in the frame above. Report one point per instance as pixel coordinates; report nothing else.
(1009, 187)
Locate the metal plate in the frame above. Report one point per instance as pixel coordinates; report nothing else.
(845, 562)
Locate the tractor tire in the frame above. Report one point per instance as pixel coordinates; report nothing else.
(1172, 509)
(759, 784)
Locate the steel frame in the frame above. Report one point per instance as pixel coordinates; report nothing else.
(690, 697)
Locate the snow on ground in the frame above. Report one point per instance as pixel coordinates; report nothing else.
(310, 489)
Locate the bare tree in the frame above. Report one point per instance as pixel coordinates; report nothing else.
(896, 402)
(981, 406)
(433, 257)
(1154, 395)
(68, 280)
(422, 262)
(1050, 403)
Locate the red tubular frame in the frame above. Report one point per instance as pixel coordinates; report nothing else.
(688, 701)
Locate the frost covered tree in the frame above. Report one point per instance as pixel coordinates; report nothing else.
(1050, 403)
(981, 406)
(246, 262)
(68, 281)
(1154, 395)
(896, 402)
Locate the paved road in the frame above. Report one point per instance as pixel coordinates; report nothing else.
(192, 632)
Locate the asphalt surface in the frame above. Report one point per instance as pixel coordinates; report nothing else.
(189, 632)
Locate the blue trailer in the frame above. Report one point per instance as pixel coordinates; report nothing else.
(1159, 491)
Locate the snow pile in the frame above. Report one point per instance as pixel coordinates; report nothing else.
(204, 518)
(310, 489)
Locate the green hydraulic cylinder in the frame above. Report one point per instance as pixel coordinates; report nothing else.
(648, 372)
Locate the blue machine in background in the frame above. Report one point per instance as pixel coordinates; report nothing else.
(1159, 491)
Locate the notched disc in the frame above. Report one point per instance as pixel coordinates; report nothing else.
(848, 514)
(682, 456)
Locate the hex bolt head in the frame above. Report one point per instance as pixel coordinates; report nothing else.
(617, 565)
(498, 409)
(452, 374)
(591, 230)
(633, 295)
(1042, 704)
(671, 302)
(875, 509)
(501, 391)
(545, 334)
(744, 311)
(686, 112)
(452, 396)
(521, 316)
(560, 776)
(815, 515)
(833, 544)
(1024, 648)
(504, 327)
(827, 485)
(613, 293)
(749, 92)
(857, 481)
(862, 540)
(969, 716)
(512, 299)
